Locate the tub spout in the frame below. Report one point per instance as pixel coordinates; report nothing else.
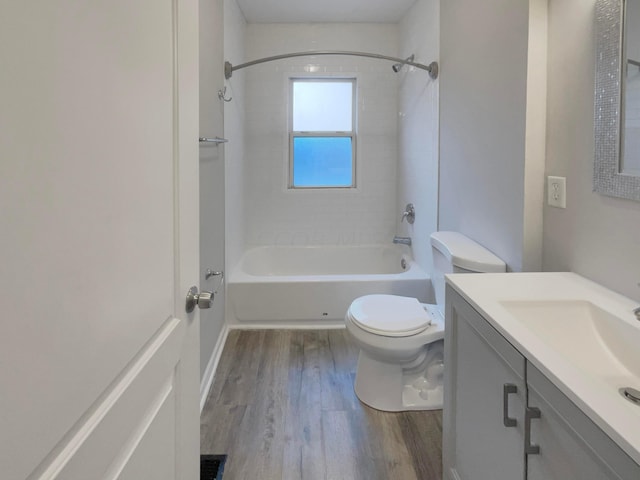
(402, 240)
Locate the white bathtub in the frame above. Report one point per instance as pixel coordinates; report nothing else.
(282, 284)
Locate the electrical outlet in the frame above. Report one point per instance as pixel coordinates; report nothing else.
(557, 192)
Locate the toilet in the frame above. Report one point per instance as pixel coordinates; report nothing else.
(401, 341)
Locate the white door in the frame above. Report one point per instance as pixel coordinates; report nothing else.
(98, 239)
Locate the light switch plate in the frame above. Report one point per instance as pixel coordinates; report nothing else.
(557, 192)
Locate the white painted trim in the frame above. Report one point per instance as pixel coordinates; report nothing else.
(75, 439)
(323, 78)
(212, 365)
(453, 475)
(121, 461)
(288, 326)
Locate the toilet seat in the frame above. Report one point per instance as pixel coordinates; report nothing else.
(389, 315)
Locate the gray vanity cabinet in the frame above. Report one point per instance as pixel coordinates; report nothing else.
(485, 400)
(571, 445)
(497, 427)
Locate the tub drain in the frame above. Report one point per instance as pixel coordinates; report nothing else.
(631, 394)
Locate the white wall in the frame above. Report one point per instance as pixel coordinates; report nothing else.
(485, 189)
(596, 236)
(535, 136)
(275, 215)
(418, 129)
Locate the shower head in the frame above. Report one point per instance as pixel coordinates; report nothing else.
(398, 66)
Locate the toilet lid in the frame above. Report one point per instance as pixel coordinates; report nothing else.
(389, 315)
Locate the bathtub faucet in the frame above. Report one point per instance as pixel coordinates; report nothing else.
(402, 240)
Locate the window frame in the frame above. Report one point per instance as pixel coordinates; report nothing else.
(319, 134)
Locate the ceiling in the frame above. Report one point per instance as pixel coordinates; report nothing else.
(324, 11)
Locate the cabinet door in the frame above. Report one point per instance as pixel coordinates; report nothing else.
(570, 444)
(480, 365)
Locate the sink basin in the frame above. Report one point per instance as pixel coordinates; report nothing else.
(590, 338)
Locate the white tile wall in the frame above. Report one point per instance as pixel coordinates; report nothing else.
(234, 119)
(275, 215)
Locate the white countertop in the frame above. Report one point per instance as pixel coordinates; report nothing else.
(599, 400)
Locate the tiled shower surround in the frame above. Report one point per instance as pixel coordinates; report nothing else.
(277, 215)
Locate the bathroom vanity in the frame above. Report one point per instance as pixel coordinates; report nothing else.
(536, 366)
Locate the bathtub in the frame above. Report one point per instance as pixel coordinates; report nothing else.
(318, 283)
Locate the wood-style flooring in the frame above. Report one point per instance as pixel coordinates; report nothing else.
(282, 406)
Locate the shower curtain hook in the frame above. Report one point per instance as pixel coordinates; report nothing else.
(222, 95)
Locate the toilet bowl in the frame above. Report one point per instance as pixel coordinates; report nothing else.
(400, 362)
(400, 365)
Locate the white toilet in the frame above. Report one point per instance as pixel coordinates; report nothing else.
(400, 366)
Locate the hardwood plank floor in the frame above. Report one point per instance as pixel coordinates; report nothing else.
(282, 406)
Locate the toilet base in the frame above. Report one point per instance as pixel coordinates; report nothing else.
(389, 388)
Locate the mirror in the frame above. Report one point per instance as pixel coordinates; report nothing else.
(630, 153)
(617, 99)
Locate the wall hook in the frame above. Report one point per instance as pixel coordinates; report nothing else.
(222, 95)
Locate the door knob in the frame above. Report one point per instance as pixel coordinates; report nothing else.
(202, 300)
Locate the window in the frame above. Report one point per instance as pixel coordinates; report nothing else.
(322, 135)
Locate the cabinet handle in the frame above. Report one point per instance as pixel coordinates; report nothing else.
(529, 414)
(507, 389)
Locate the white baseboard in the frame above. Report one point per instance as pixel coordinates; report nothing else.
(212, 365)
(453, 475)
(292, 325)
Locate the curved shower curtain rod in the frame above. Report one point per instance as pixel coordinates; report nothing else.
(432, 68)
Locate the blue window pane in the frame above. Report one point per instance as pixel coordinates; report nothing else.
(322, 162)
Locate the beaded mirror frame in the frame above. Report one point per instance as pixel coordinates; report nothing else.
(609, 90)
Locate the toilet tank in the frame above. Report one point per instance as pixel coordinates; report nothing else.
(454, 253)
